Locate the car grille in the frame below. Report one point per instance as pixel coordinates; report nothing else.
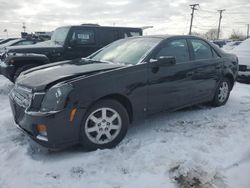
(22, 96)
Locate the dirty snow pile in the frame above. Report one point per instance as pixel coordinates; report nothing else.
(200, 147)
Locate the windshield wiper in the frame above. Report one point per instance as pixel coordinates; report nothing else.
(96, 61)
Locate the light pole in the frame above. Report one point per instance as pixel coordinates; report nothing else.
(6, 31)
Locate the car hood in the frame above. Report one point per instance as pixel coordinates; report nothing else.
(40, 78)
(34, 48)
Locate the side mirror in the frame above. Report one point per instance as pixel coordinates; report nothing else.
(163, 61)
(73, 43)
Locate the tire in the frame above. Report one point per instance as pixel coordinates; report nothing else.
(22, 69)
(98, 132)
(222, 93)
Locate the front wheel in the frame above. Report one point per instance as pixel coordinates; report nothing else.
(222, 93)
(104, 125)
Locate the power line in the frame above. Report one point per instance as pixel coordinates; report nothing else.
(218, 32)
(193, 7)
(207, 11)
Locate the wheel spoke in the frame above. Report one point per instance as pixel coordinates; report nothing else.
(113, 117)
(94, 119)
(114, 127)
(98, 137)
(104, 113)
(92, 129)
(108, 135)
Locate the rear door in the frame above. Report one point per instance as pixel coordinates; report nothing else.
(208, 65)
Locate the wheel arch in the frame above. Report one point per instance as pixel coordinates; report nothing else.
(121, 99)
(231, 79)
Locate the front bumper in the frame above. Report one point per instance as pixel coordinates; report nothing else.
(7, 70)
(61, 132)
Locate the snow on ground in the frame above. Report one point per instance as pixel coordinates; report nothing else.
(199, 146)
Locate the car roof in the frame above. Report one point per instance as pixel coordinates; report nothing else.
(170, 36)
(97, 26)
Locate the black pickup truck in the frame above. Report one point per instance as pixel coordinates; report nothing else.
(67, 43)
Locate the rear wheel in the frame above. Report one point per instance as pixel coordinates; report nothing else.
(222, 93)
(22, 69)
(104, 125)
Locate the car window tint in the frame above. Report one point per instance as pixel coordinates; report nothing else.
(107, 36)
(177, 48)
(131, 34)
(24, 43)
(201, 49)
(84, 37)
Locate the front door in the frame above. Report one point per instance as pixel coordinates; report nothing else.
(170, 86)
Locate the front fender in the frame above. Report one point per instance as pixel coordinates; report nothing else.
(19, 59)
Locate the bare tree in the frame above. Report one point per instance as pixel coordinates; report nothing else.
(211, 34)
(236, 35)
(197, 34)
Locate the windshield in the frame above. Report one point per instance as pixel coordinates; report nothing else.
(59, 35)
(126, 51)
(10, 43)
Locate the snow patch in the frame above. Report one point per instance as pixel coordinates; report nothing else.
(196, 174)
(5, 86)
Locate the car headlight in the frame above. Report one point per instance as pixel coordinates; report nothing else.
(56, 97)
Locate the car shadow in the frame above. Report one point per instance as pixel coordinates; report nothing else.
(244, 82)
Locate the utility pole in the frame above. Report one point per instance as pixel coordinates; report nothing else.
(218, 32)
(24, 27)
(248, 31)
(193, 7)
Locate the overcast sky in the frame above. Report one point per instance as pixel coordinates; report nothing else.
(167, 16)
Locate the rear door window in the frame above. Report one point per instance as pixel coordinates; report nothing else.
(201, 49)
(84, 37)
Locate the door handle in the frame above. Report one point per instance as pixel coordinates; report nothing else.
(189, 74)
(217, 66)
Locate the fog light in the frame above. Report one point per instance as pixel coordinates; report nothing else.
(12, 61)
(42, 130)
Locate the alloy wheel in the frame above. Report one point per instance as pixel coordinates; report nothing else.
(223, 92)
(103, 125)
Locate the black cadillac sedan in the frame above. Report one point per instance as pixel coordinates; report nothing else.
(93, 101)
